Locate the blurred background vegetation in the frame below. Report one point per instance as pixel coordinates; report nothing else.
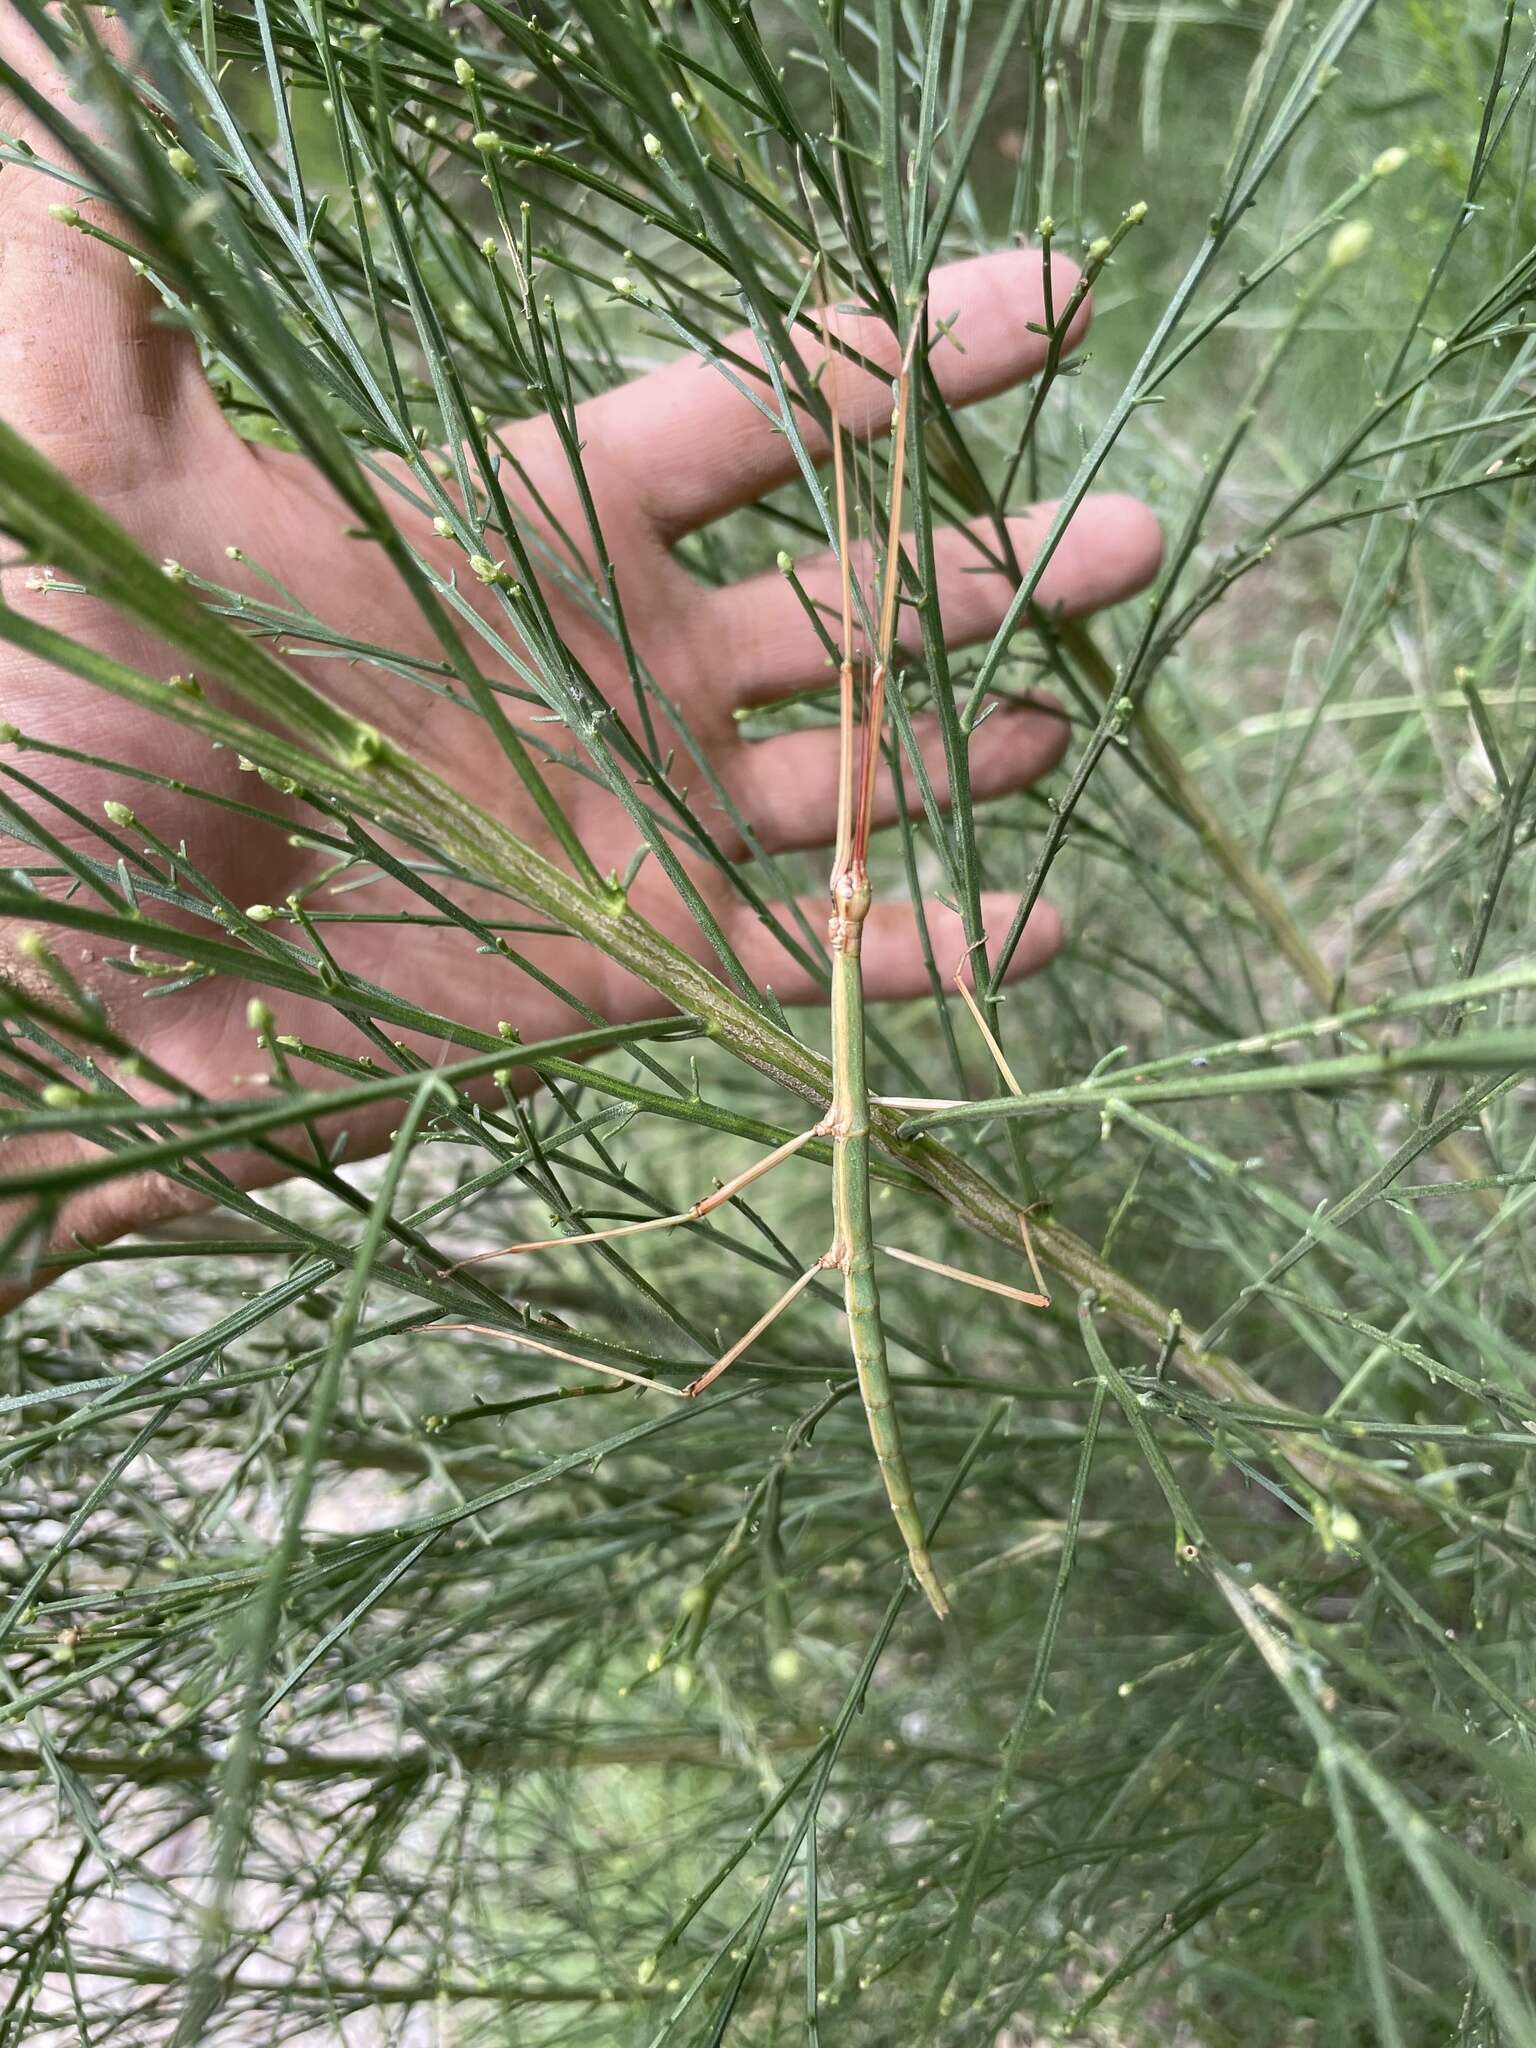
(600, 1724)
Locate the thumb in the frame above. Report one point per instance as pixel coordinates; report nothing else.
(87, 370)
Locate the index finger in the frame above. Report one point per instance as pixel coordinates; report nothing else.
(694, 446)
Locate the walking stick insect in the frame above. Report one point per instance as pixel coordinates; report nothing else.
(846, 1124)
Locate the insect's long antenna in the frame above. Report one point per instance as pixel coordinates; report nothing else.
(874, 710)
(846, 707)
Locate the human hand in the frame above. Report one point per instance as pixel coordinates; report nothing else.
(117, 401)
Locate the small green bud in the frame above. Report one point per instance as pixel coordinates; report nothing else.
(367, 747)
(258, 1015)
(1389, 161)
(441, 528)
(234, 555)
(370, 32)
(490, 248)
(9, 734)
(32, 946)
(508, 1031)
(1047, 227)
(173, 570)
(188, 685)
(786, 562)
(1098, 248)
(485, 142)
(785, 1666)
(682, 1680)
(1135, 215)
(463, 71)
(487, 570)
(1349, 244)
(260, 913)
(59, 1095)
(624, 286)
(180, 162)
(646, 1972)
(502, 1076)
(118, 814)
(66, 216)
(653, 148)
(480, 416)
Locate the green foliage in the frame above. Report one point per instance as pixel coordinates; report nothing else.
(379, 1667)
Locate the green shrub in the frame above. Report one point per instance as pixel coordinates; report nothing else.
(380, 1666)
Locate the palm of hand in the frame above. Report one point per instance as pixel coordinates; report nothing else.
(117, 401)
